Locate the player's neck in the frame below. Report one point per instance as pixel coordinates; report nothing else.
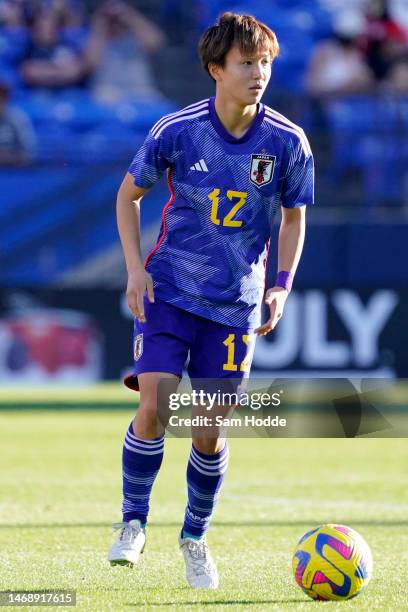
(235, 118)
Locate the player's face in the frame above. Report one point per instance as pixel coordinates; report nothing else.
(244, 77)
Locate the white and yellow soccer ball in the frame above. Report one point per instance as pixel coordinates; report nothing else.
(332, 562)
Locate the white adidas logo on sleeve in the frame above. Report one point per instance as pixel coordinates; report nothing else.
(201, 166)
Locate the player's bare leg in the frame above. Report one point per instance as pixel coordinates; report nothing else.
(142, 457)
(148, 423)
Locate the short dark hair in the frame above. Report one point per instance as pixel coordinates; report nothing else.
(244, 31)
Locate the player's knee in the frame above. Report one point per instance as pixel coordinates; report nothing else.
(209, 446)
(146, 421)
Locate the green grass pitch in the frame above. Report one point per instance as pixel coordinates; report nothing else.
(61, 488)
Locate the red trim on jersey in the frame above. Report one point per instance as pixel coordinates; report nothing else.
(162, 237)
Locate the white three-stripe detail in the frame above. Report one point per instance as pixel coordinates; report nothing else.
(186, 112)
(142, 452)
(154, 442)
(181, 118)
(191, 108)
(298, 132)
(186, 109)
(209, 468)
(206, 472)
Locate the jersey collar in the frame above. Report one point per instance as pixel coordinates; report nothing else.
(225, 135)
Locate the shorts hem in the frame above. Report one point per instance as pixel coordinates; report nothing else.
(131, 381)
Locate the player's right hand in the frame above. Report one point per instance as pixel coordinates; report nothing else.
(139, 283)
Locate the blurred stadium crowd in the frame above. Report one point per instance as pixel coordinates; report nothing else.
(83, 81)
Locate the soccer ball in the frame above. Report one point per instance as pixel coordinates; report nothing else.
(332, 562)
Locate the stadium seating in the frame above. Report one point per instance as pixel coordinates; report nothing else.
(60, 216)
(368, 133)
(72, 127)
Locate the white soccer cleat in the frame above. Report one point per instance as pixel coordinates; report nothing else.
(201, 571)
(129, 545)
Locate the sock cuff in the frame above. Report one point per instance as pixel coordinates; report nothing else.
(211, 465)
(145, 447)
(152, 441)
(211, 458)
(192, 536)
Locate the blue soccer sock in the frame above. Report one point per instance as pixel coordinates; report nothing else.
(141, 461)
(205, 475)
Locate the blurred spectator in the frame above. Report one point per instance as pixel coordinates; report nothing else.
(14, 38)
(398, 76)
(16, 134)
(338, 65)
(74, 16)
(12, 14)
(385, 43)
(70, 13)
(120, 40)
(51, 61)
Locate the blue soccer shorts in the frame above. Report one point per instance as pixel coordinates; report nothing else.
(172, 336)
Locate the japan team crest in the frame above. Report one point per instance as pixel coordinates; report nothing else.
(261, 169)
(138, 347)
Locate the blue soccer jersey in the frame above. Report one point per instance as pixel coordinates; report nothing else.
(211, 253)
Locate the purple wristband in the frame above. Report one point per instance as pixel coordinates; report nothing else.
(284, 280)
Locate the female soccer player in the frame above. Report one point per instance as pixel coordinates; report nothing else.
(230, 162)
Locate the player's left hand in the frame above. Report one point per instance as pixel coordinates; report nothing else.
(275, 297)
